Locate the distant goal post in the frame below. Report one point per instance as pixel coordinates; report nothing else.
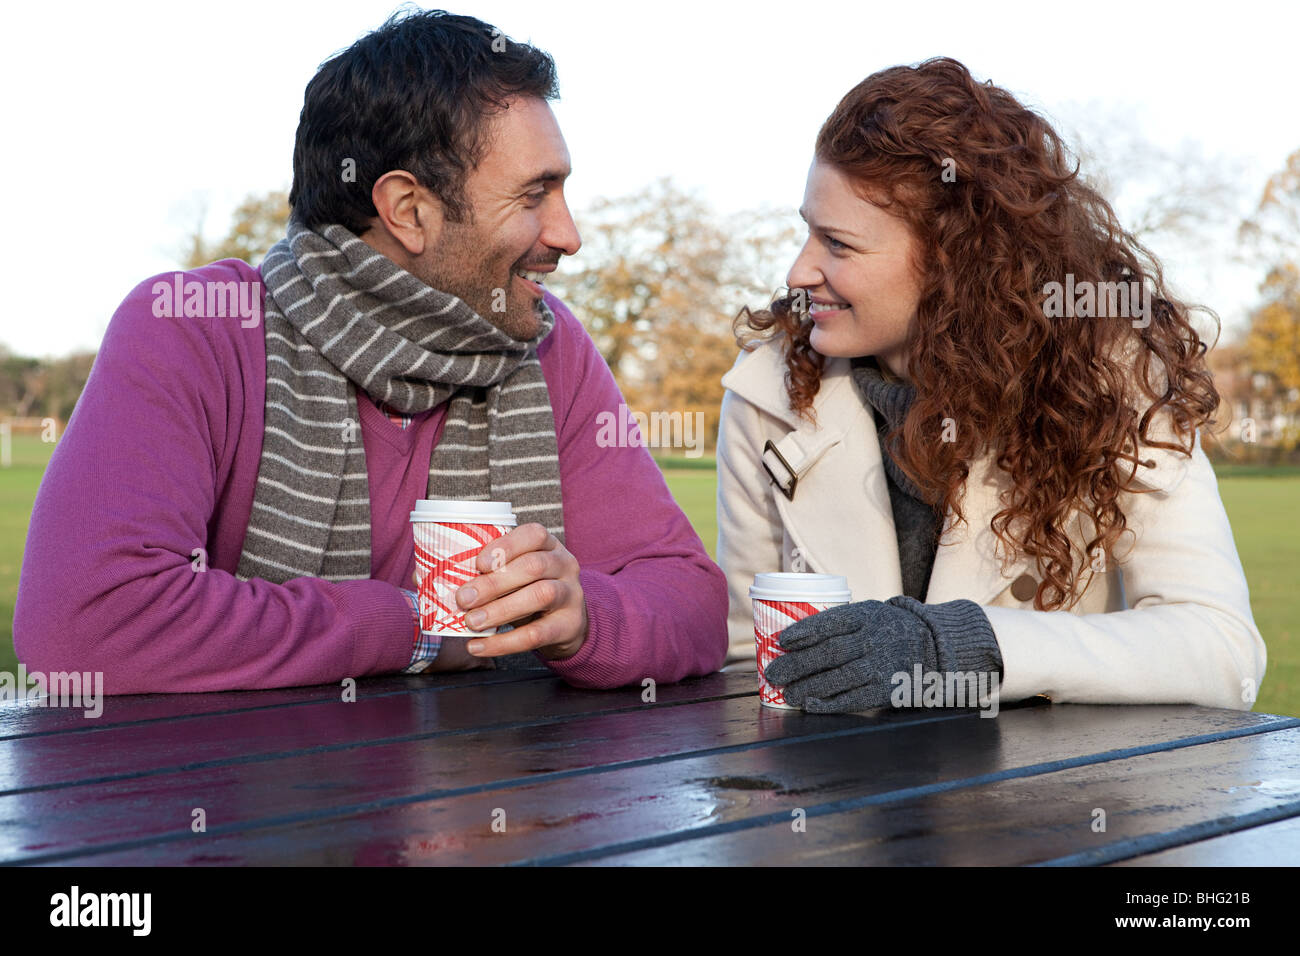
(44, 430)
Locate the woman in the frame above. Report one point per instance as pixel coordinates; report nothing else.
(978, 394)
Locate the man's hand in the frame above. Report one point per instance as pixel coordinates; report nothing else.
(526, 578)
(452, 656)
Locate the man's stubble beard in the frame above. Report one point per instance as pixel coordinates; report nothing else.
(521, 317)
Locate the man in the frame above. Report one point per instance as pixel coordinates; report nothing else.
(228, 507)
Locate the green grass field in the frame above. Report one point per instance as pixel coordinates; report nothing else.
(18, 484)
(1265, 514)
(1263, 506)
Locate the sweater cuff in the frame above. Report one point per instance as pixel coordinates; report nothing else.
(597, 662)
(381, 629)
(963, 637)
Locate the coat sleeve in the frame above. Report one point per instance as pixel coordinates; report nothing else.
(749, 526)
(1188, 635)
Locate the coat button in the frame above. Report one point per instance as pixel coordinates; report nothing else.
(1024, 587)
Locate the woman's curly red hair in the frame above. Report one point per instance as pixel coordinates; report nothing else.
(1064, 403)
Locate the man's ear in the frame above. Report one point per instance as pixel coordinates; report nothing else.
(408, 212)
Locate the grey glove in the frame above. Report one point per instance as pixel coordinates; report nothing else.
(844, 658)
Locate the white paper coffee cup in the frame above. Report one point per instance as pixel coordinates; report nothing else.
(449, 535)
(781, 598)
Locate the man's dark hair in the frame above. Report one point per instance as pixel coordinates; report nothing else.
(415, 95)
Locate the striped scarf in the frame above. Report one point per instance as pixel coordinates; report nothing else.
(341, 316)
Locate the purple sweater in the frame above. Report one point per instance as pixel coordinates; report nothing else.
(161, 456)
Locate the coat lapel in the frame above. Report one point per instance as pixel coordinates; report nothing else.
(967, 563)
(840, 518)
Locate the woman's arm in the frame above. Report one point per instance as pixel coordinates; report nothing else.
(1188, 636)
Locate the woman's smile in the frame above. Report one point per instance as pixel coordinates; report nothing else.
(822, 309)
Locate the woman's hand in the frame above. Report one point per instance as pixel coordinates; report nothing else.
(843, 658)
(848, 658)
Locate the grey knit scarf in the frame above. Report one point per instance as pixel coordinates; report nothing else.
(916, 521)
(341, 316)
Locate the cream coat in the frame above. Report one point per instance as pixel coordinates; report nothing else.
(1168, 621)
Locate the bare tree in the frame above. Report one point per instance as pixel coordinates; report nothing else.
(659, 279)
(257, 224)
(1165, 195)
(1272, 341)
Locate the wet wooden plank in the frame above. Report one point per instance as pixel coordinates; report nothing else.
(1273, 844)
(22, 720)
(1163, 798)
(311, 784)
(564, 815)
(131, 750)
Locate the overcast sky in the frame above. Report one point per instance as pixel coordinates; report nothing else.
(121, 121)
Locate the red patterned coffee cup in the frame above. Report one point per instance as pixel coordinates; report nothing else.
(781, 598)
(448, 538)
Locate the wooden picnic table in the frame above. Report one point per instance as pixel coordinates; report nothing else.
(511, 767)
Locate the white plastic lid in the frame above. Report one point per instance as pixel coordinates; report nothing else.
(800, 586)
(465, 512)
